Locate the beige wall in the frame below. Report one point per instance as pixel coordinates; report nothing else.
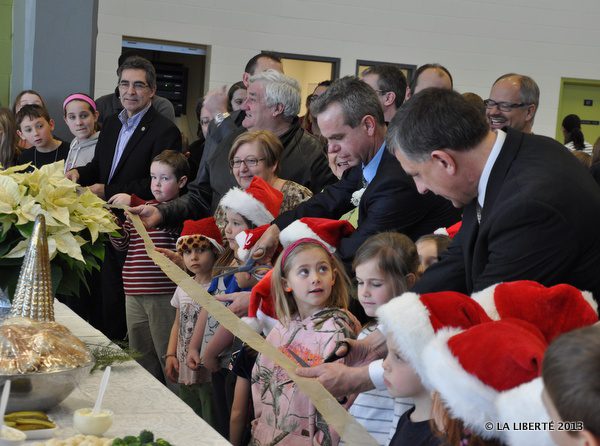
(308, 74)
(477, 40)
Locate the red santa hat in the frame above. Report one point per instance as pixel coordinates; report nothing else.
(327, 231)
(259, 203)
(412, 320)
(261, 310)
(554, 310)
(195, 230)
(247, 239)
(470, 369)
(450, 231)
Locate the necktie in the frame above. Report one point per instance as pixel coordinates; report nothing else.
(478, 210)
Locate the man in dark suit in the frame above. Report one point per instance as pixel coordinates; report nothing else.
(531, 211)
(350, 117)
(127, 144)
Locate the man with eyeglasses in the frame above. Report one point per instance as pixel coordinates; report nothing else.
(121, 164)
(513, 101)
(390, 85)
(110, 104)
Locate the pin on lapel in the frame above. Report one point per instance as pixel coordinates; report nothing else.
(143, 128)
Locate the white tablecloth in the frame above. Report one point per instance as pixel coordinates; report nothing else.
(138, 400)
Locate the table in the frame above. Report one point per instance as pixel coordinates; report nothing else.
(139, 401)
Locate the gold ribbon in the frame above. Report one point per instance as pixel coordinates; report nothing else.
(350, 430)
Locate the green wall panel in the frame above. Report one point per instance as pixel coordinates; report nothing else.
(5, 50)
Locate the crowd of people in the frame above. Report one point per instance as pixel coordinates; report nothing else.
(421, 253)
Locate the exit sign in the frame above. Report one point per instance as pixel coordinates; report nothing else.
(588, 102)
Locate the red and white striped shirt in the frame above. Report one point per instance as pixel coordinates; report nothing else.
(140, 274)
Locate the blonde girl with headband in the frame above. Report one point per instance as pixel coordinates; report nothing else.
(311, 299)
(81, 117)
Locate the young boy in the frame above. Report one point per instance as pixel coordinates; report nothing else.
(572, 387)
(148, 291)
(35, 126)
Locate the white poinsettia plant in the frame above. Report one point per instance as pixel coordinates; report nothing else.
(77, 224)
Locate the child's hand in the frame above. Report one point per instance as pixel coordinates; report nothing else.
(173, 256)
(122, 199)
(211, 363)
(193, 360)
(172, 368)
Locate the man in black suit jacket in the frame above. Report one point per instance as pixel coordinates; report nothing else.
(351, 118)
(531, 211)
(127, 144)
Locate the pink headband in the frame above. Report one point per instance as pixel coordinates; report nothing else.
(290, 248)
(79, 97)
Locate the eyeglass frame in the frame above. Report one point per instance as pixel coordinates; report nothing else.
(504, 106)
(249, 162)
(137, 85)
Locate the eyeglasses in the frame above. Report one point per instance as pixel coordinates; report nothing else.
(504, 106)
(249, 162)
(138, 86)
(205, 121)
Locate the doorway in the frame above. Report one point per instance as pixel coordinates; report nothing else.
(582, 98)
(309, 71)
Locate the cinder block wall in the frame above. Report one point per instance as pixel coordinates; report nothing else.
(477, 40)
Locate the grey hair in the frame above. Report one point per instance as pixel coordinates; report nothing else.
(139, 63)
(280, 89)
(528, 89)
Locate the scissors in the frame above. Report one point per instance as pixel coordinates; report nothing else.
(250, 267)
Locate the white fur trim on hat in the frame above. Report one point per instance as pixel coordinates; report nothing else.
(240, 239)
(406, 319)
(521, 405)
(465, 396)
(441, 231)
(485, 298)
(589, 298)
(245, 204)
(297, 230)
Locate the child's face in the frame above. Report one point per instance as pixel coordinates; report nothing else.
(428, 254)
(164, 184)
(561, 437)
(235, 225)
(400, 378)
(199, 261)
(311, 278)
(80, 119)
(37, 132)
(374, 287)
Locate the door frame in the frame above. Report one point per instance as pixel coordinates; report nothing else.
(569, 81)
(334, 61)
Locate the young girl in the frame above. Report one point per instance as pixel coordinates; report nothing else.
(386, 266)
(211, 345)
(81, 117)
(311, 297)
(200, 245)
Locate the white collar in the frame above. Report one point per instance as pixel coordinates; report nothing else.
(489, 164)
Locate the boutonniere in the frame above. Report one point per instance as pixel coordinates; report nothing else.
(356, 196)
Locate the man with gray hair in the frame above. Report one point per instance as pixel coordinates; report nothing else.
(513, 101)
(273, 103)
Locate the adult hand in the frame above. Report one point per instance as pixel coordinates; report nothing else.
(122, 199)
(172, 368)
(265, 247)
(72, 175)
(339, 379)
(365, 351)
(215, 101)
(173, 256)
(239, 302)
(98, 189)
(150, 215)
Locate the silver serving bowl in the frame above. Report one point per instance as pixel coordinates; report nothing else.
(43, 390)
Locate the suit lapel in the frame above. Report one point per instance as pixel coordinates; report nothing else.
(470, 226)
(139, 132)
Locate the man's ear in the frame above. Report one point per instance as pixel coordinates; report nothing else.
(531, 111)
(408, 94)
(588, 438)
(279, 109)
(369, 124)
(246, 79)
(444, 160)
(390, 98)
